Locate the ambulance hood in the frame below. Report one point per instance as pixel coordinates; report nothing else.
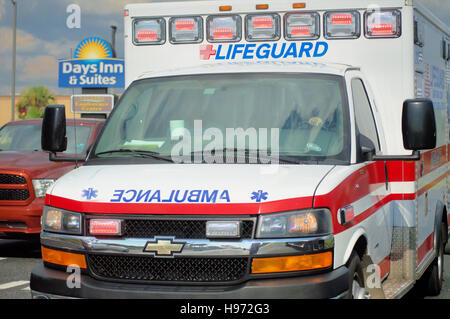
(171, 188)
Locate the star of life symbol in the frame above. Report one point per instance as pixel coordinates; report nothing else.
(259, 196)
(206, 51)
(89, 193)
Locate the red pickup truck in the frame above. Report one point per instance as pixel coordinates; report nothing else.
(26, 172)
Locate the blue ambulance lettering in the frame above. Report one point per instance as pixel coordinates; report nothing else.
(174, 196)
(253, 51)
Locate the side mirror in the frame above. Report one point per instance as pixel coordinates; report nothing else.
(53, 138)
(418, 125)
(418, 128)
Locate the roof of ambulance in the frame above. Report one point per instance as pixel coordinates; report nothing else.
(253, 67)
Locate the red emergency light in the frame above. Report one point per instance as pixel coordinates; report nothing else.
(223, 33)
(300, 31)
(301, 26)
(184, 25)
(262, 22)
(342, 25)
(105, 227)
(263, 27)
(382, 29)
(224, 28)
(383, 24)
(341, 18)
(147, 35)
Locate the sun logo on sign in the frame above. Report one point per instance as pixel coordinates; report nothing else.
(93, 48)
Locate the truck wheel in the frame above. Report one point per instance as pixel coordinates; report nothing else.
(356, 283)
(434, 275)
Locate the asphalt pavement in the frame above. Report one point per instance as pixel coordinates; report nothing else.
(19, 257)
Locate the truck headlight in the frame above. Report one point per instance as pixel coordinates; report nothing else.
(311, 222)
(41, 185)
(61, 221)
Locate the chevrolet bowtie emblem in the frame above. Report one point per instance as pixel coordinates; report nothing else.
(163, 247)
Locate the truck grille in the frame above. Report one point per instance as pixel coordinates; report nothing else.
(178, 269)
(13, 188)
(14, 194)
(8, 179)
(189, 229)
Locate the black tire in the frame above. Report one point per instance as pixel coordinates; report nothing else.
(355, 274)
(434, 275)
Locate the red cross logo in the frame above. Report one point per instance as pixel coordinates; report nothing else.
(206, 51)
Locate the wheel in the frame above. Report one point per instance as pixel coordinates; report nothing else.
(356, 283)
(434, 275)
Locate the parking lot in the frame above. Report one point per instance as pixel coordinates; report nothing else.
(19, 257)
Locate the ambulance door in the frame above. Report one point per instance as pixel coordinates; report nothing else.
(378, 215)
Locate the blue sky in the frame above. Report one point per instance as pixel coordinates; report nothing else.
(43, 37)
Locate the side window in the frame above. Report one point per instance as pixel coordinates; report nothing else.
(365, 121)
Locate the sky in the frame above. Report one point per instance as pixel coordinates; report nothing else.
(43, 36)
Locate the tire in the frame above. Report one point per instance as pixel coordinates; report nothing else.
(356, 282)
(434, 275)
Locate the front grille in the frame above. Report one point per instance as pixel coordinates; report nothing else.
(14, 187)
(189, 229)
(8, 179)
(178, 269)
(14, 194)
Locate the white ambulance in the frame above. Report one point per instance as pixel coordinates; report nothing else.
(262, 149)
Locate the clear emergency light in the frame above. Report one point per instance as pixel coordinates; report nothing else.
(383, 24)
(149, 31)
(186, 30)
(342, 25)
(224, 28)
(301, 26)
(263, 27)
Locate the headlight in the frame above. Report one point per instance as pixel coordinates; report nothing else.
(61, 221)
(41, 186)
(295, 224)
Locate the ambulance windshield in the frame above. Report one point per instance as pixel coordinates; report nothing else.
(302, 117)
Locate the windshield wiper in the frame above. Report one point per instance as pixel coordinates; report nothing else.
(141, 153)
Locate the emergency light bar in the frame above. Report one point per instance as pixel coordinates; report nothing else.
(149, 31)
(342, 25)
(186, 30)
(263, 27)
(267, 27)
(224, 28)
(383, 24)
(301, 26)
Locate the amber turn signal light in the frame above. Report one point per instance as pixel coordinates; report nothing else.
(292, 263)
(63, 258)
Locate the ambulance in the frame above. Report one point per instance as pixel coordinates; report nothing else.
(262, 149)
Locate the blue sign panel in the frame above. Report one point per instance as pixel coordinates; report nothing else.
(93, 66)
(91, 73)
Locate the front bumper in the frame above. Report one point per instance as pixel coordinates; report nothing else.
(22, 219)
(47, 283)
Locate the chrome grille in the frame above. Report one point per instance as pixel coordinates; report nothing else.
(179, 228)
(178, 269)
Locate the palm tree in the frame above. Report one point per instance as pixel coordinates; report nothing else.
(33, 102)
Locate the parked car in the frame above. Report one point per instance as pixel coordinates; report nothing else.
(26, 171)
